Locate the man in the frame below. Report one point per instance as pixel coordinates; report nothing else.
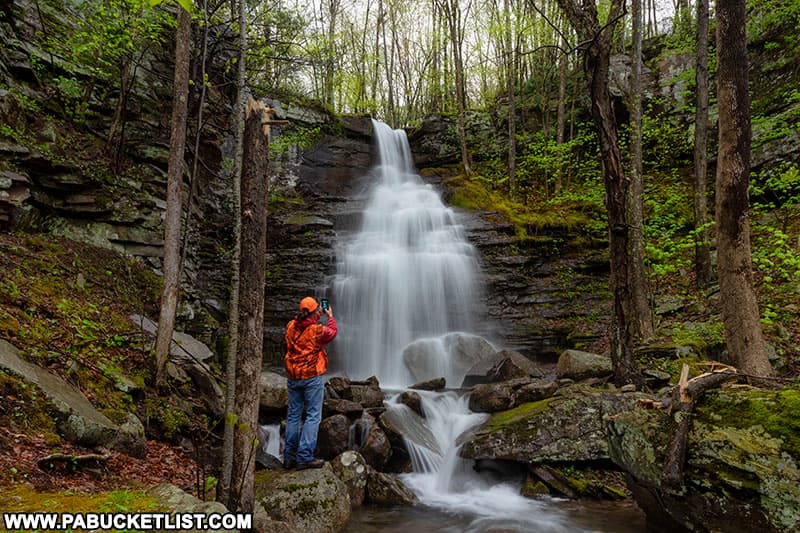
(306, 362)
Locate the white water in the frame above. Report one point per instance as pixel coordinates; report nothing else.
(444, 481)
(408, 273)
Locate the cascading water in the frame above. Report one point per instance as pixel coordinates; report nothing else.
(408, 273)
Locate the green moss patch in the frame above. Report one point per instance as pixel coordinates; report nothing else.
(503, 419)
(25, 498)
(777, 412)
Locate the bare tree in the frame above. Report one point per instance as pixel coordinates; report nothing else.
(702, 250)
(251, 325)
(642, 318)
(454, 18)
(172, 216)
(596, 43)
(233, 314)
(743, 333)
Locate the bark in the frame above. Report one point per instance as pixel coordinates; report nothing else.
(172, 216)
(511, 74)
(233, 316)
(642, 318)
(561, 112)
(702, 261)
(683, 398)
(251, 303)
(597, 45)
(738, 302)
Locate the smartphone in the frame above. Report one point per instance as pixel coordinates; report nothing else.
(324, 304)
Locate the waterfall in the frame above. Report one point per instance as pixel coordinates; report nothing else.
(443, 480)
(408, 272)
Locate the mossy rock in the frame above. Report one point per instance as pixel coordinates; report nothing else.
(741, 464)
(309, 500)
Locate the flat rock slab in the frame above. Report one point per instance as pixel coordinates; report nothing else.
(79, 421)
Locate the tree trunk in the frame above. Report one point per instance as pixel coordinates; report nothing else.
(453, 15)
(642, 318)
(561, 113)
(596, 54)
(172, 216)
(511, 79)
(233, 314)
(702, 250)
(738, 303)
(251, 326)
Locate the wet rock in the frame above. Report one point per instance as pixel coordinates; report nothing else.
(491, 397)
(342, 407)
(341, 386)
(368, 395)
(462, 350)
(578, 365)
(435, 384)
(352, 470)
(333, 436)
(413, 401)
(376, 449)
(570, 427)
(387, 490)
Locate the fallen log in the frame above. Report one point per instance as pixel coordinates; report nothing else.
(683, 396)
(71, 461)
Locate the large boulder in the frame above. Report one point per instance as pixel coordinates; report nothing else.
(273, 394)
(577, 365)
(308, 500)
(570, 427)
(77, 419)
(387, 490)
(494, 397)
(501, 366)
(450, 355)
(741, 471)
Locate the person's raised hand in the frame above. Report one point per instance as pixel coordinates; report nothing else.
(329, 311)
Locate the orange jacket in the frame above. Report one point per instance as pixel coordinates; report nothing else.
(305, 354)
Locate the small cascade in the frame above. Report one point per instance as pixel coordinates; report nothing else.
(272, 444)
(443, 480)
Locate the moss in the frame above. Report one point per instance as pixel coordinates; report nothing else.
(25, 498)
(503, 419)
(777, 412)
(25, 408)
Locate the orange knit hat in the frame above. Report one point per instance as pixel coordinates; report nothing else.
(309, 304)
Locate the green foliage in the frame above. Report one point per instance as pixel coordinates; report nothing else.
(771, 126)
(700, 335)
(667, 145)
(668, 228)
(170, 419)
(299, 138)
(104, 47)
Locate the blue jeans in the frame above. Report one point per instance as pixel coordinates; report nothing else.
(300, 445)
